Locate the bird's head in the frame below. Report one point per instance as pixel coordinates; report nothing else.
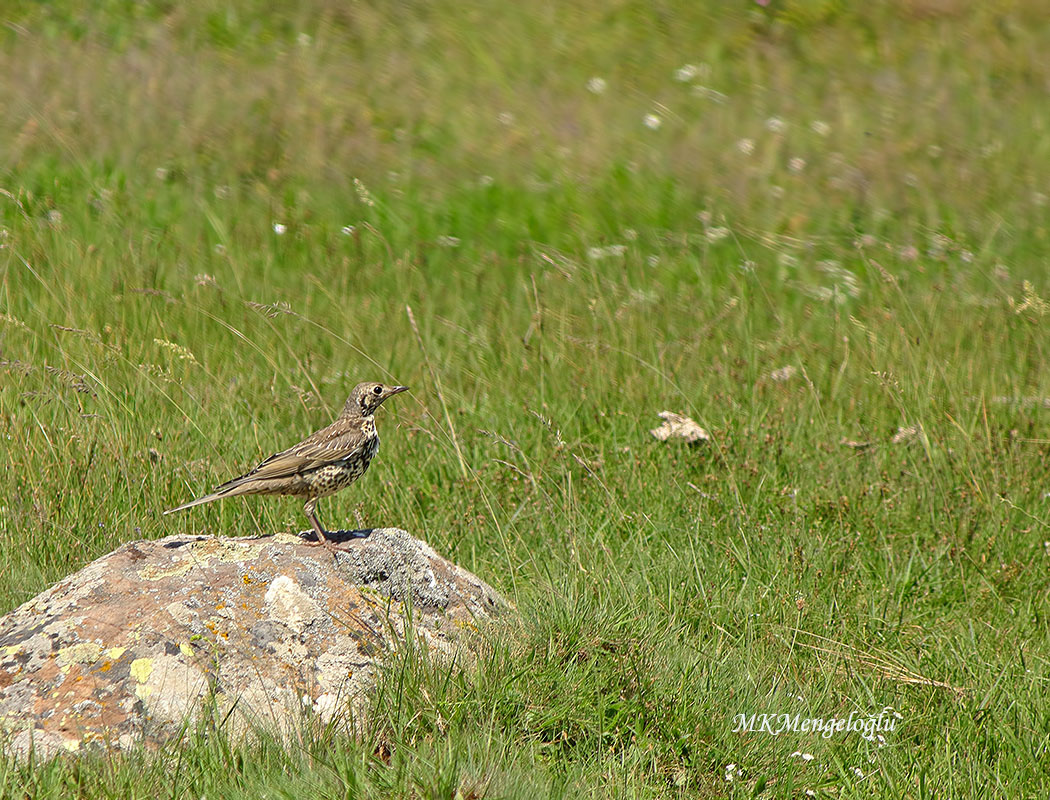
(367, 397)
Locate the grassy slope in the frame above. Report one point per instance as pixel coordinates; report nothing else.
(159, 334)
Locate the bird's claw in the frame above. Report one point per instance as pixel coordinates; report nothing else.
(317, 541)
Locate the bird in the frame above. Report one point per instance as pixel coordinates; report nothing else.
(321, 464)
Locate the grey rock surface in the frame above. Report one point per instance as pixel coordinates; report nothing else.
(265, 631)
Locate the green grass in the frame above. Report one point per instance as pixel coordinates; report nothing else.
(158, 335)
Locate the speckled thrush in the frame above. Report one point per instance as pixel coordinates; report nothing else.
(322, 463)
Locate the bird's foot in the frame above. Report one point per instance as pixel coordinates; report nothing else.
(311, 539)
(331, 547)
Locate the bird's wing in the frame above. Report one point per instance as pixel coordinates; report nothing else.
(333, 443)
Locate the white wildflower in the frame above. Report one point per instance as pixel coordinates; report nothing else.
(505, 118)
(746, 146)
(775, 125)
(716, 234)
(797, 164)
(347, 230)
(597, 85)
(652, 122)
(686, 73)
(820, 127)
(161, 173)
(448, 241)
(280, 229)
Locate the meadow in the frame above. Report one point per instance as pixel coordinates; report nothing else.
(819, 229)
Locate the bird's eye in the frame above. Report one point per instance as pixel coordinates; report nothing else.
(377, 390)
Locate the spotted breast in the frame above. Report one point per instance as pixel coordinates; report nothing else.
(331, 478)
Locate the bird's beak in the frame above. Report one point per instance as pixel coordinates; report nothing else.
(397, 390)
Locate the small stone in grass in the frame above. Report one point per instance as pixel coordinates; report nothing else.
(677, 426)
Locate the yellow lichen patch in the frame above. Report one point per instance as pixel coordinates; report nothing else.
(141, 669)
(186, 650)
(10, 651)
(80, 653)
(239, 551)
(287, 538)
(202, 552)
(154, 573)
(114, 653)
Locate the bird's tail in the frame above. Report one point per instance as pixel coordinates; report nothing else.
(198, 502)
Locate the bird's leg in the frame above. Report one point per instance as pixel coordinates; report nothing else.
(310, 509)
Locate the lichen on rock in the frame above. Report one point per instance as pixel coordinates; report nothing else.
(127, 650)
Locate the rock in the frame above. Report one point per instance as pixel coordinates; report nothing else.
(677, 426)
(266, 630)
(906, 435)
